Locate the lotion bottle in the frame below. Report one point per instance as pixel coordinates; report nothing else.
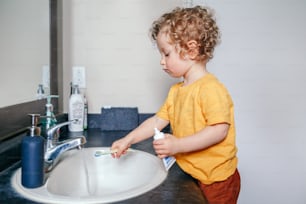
(32, 156)
(167, 161)
(76, 110)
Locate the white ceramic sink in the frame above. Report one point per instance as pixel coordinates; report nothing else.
(81, 177)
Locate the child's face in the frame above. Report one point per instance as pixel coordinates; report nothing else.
(171, 61)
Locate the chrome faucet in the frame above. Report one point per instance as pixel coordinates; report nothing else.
(54, 148)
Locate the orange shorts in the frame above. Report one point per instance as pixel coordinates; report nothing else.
(223, 192)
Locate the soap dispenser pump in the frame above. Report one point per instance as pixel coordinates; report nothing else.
(32, 152)
(49, 120)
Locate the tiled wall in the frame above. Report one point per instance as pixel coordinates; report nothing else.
(261, 60)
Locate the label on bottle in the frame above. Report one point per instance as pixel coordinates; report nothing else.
(76, 111)
(85, 116)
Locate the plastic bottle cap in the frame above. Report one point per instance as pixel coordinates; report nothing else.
(75, 89)
(158, 134)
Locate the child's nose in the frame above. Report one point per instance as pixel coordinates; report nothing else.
(162, 61)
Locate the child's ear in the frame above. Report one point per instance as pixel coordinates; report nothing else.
(193, 49)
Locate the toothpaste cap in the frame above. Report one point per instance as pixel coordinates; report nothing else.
(158, 134)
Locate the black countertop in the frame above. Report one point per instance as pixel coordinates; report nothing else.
(177, 188)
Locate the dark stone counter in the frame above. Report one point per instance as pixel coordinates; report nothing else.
(177, 188)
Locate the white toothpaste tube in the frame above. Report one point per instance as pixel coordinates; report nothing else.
(168, 161)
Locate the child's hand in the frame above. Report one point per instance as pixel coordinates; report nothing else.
(166, 147)
(121, 146)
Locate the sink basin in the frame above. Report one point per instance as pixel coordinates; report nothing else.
(82, 177)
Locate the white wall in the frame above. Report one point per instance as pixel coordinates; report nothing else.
(111, 39)
(261, 60)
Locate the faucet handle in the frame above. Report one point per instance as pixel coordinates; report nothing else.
(51, 131)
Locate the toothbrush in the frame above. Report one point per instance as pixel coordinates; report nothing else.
(106, 152)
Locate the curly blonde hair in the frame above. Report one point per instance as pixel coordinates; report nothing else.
(185, 24)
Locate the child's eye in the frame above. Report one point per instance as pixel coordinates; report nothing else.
(167, 54)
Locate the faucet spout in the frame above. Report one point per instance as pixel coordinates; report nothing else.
(54, 148)
(53, 154)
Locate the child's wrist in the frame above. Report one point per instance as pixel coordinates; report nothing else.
(180, 147)
(129, 140)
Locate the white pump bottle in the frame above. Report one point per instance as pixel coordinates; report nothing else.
(76, 110)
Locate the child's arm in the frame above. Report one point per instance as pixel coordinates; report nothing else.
(203, 139)
(142, 132)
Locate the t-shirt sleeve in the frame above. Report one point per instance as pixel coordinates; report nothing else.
(216, 104)
(163, 112)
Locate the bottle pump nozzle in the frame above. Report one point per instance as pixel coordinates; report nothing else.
(34, 130)
(49, 106)
(49, 98)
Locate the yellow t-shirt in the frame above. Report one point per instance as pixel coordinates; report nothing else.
(191, 108)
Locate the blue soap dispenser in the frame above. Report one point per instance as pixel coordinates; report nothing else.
(32, 156)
